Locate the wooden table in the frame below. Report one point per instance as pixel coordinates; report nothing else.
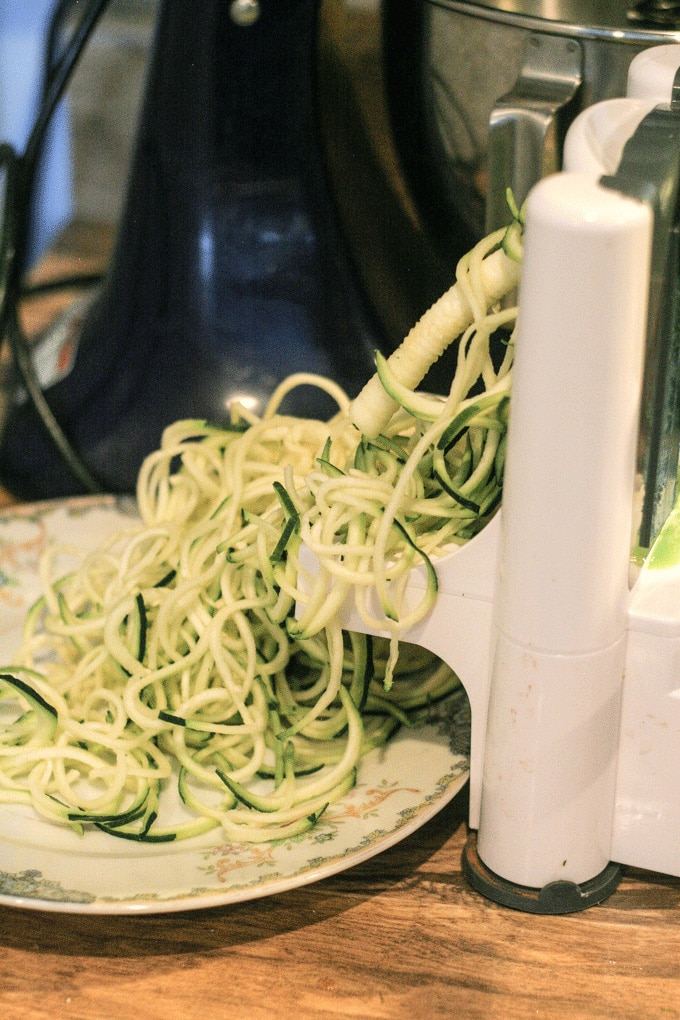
(402, 935)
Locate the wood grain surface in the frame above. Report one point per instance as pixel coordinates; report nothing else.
(400, 936)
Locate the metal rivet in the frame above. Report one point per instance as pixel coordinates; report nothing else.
(244, 12)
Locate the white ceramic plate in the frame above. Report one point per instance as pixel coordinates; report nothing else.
(43, 867)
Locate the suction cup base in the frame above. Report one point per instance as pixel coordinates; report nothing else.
(554, 898)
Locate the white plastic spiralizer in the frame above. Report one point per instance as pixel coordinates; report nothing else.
(562, 617)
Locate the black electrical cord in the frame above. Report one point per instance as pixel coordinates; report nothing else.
(8, 166)
(11, 329)
(70, 281)
(61, 13)
(19, 181)
(57, 76)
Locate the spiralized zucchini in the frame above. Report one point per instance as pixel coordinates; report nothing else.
(172, 654)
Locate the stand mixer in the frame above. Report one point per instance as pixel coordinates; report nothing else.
(305, 177)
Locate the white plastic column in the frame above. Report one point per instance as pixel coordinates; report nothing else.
(562, 598)
(652, 72)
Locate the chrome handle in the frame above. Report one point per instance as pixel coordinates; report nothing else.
(528, 123)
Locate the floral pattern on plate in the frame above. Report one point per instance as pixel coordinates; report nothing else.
(399, 788)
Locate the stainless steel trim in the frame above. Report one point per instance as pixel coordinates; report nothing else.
(570, 19)
(528, 123)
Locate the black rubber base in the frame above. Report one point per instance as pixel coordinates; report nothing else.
(555, 898)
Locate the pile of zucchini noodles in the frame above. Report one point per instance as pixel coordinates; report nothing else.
(172, 655)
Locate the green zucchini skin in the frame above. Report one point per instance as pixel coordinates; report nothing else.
(260, 717)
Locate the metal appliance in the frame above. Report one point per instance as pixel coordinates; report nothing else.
(305, 177)
(229, 270)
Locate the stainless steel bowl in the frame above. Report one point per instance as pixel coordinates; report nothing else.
(429, 109)
(503, 79)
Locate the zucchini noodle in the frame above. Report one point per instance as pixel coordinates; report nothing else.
(172, 655)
